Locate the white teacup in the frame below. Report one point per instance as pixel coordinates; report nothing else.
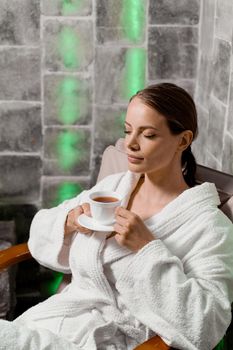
(103, 205)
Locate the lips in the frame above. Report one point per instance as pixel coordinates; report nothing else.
(133, 159)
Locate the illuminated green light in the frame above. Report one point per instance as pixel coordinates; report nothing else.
(68, 190)
(71, 105)
(50, 287)
(68, 45)
(70, 7)
(68, 149)
(133, 19)
(134, 72)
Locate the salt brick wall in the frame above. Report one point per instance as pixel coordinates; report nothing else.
(32, 70)
(214, 88)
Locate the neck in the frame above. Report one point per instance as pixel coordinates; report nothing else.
(162, 187)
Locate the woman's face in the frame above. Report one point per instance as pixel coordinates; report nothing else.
(149, 143)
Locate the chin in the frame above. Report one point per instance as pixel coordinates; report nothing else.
(135, 168)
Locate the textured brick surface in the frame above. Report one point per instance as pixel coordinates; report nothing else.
(66, 8)
(67, 151)
(116, 24)
(214, 81)
(174, 12)
(172, 52)
(20, 127)
(230, 110)
(68, 45)
(216, 127)
(119, 73)
(56, 190)
(200, 145)
(224, 23)
(68, 100)
(20, 179)
(4, 286)
(227, 163)
(221, 69)
(19, 74)
(16, 17)
(112, 120)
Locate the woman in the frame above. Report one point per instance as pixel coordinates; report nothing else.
(168, 267)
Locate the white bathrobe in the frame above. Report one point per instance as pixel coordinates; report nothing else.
(179, 286)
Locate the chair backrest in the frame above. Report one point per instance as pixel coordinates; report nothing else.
(114, 160)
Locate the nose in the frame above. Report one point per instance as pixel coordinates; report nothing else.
(131, 142)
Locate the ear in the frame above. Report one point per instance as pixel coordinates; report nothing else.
(186, 138)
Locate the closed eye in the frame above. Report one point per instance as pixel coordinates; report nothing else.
(149, 136)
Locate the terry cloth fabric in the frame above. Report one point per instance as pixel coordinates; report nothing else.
(179, 286)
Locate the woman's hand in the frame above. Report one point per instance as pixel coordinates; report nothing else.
(72, 224)
(131, 232)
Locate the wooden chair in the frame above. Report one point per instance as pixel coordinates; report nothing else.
(114, 160)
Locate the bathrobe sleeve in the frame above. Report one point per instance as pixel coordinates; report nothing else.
(186, 302)
(47, 242)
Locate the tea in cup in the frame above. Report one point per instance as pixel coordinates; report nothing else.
(103, 205)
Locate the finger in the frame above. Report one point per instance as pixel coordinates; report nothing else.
(121, 211)
(86, 209)
(122, 220)
(119, 229)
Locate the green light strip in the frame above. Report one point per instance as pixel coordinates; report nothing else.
(68, 149)
(132, 19)
(71, 105)
(68, 190)
(69, 46)
(134, 73)
(70, 7)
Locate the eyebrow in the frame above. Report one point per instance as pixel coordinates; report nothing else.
(144, 126)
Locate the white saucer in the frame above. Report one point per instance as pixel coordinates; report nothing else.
(89, 222)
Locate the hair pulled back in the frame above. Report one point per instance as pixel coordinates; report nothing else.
(178, 107)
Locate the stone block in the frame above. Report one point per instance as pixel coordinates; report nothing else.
(212, 162)
(221, 69)
(19, 179)
(224, 23)
(230, 109)
(204, 80)
(21, 215)
(111, 119)
(16, 17)
(66, 8)
(20, 127)
(121, 22)
(119, 73)
(67, 100)
(172, 52)
(67, 151)
(7, 231)
(227, 164)
(174, 12)
(20, 74)
(217, 114)
(68, 44)
(207, 25)
(5, 292)
(55, 190)
(200, 144)
(187, 84)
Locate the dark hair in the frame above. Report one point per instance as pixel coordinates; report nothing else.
(178, 107)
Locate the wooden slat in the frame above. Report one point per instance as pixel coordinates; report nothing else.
(155, 343)
(14, 255)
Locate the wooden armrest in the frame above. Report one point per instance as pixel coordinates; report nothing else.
(14, 255)
(155, 343)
